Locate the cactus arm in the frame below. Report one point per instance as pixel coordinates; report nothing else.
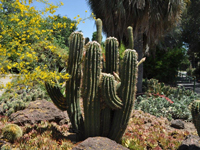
(71, 101)
(109, 92)
(73, 84)
(130, 37)
(195, 111)
(112, 55)
(56, 96)
(127, 94)
(99, 30)
(91, 102)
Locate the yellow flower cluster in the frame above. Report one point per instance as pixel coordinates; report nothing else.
(20, 30)
(17, 36)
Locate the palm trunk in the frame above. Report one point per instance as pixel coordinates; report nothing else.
(138, 46)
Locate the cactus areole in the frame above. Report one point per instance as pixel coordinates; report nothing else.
(107, 101)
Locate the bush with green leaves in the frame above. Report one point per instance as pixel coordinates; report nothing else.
(153, 86)
(166, 101)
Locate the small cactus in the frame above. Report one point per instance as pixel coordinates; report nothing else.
(10, 111)
(6, 146)
(11, 132)
(28, 98)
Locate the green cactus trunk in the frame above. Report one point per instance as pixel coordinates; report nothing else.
(71, 101)
(99, 30)
(130, 37)
(195, 110)
(127, 94)
(112, 55)
(91, 76)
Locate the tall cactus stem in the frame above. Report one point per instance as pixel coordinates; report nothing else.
(99, 30)
(127, 94)
(91, 76)
(130, 37)
(112, 55)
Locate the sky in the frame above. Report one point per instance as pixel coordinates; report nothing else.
(71, 9)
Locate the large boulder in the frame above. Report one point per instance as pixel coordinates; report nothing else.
(99, 143)
(37, 111)
(192, 142)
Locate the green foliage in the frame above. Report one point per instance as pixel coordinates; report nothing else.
(191, 32)
(53, 60)
(61, 34)
(164, 65)
(122, 48)
(94, 36)
(157, 101)
(11, 132)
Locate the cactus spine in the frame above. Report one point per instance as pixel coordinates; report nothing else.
(195, 110)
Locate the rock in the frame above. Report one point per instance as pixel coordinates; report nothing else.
(37, 111)
(99, 143)
(192, 142)
(178, 124)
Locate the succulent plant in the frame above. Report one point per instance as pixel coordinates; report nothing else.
(11, 132)
(6, 147)
(107, 102)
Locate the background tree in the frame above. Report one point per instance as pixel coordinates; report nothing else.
(62, 28)
(166, 58)
(150, 19)
(191, 33)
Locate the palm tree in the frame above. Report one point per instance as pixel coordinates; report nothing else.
(150, 19)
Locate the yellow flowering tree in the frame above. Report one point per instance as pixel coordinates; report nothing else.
(22, 28)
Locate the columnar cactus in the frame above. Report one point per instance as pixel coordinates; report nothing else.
(130, 37)
(99, 30)
(91, 76)
(195, 110)
(71, 102)
(107, 102)
(112, 55)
